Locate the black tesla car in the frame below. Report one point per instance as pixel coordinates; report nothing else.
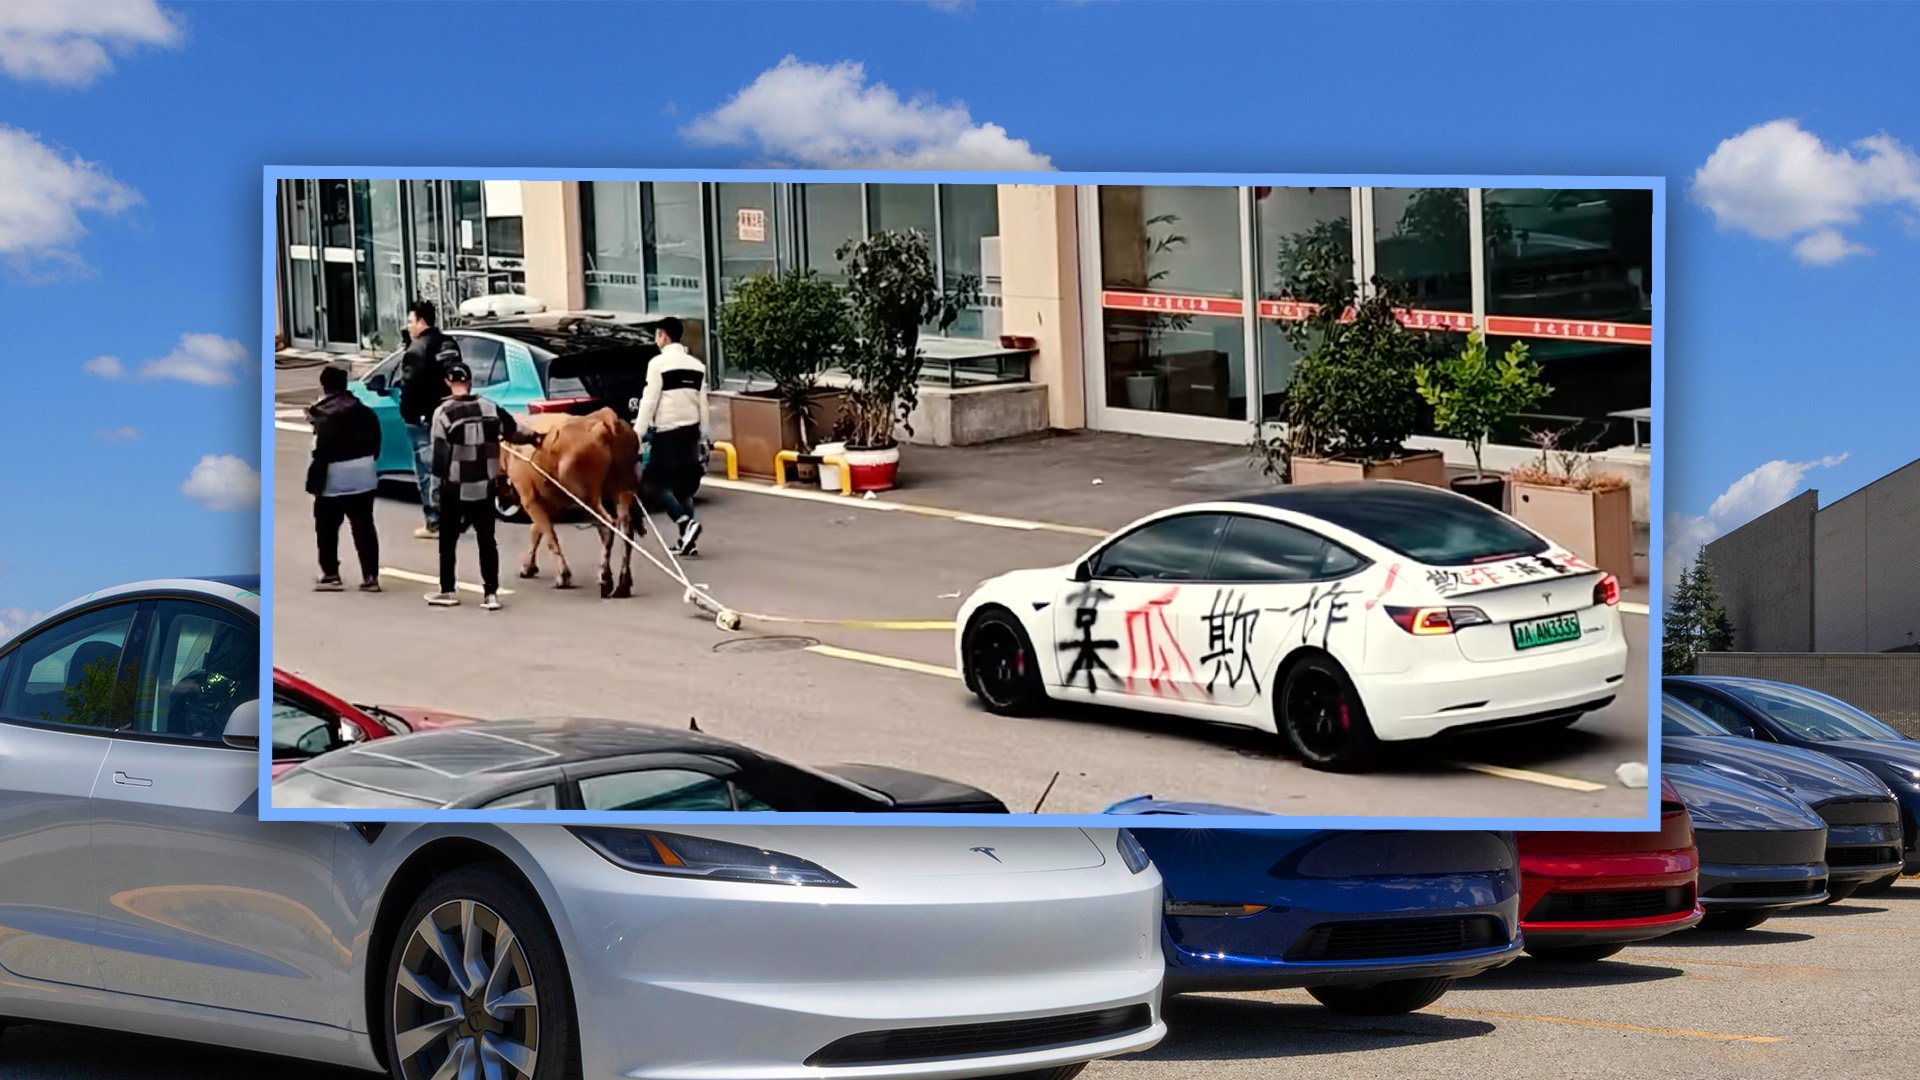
(573, 764)
(1863, 820)
(1761, 852)
(1796, 716)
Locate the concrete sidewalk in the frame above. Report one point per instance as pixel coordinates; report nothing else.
(1099, 479)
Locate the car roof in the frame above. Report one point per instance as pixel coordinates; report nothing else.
(565, 334)
(241, 589)
(446, 764)
(1327, 500)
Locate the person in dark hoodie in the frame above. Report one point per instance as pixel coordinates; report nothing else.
(423, 386)
(342, 480)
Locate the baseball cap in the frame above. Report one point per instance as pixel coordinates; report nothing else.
(457, 372)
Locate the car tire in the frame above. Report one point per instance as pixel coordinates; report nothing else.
(1002, 669)
(510, 512)
(1726, 922)
(1840, 890)
(475, 903)
(1058, 1072)
(1573, 954)
(1321, 718)
(1382, 999)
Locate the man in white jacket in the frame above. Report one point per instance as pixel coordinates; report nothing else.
(674, 408)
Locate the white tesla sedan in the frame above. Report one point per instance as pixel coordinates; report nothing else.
(139, 891)
(1337, 615)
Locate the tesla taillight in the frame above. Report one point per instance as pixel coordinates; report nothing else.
(1607, 591)
(1425, 621)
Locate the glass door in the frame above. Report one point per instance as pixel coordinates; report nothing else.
(300, 229)
(339, 297)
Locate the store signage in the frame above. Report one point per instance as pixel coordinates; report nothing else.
(1571, 329)
(752, 226)
(1415, 319)
(1171, 302)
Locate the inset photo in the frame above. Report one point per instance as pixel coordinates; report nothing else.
(610, 495)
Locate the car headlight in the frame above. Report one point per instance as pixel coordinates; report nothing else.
(1132, 853)
(645, 851)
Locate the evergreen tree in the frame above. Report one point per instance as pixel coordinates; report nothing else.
(1679, 627)
(1715, 627)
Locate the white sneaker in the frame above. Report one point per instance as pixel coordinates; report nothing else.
(443, 599)
(491, 603)
(426, 532)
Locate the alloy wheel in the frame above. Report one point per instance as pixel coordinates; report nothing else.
(1317, 709)
(464, 1005)
(999, 663)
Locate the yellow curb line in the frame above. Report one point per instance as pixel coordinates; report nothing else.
(883, 661)
(963, 516)
(1531, 777)
(429, 579)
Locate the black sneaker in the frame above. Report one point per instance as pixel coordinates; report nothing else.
(328, 583)
(689, 537)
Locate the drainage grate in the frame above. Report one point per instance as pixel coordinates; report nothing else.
(775, 643)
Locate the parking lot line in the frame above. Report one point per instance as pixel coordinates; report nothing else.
(1683, 961)
(1609, 1025)
(289, 425)
(883, 661)
(429, 579)
(963, 516)
(1827, 927)
(1528, 775)
(1631, 608)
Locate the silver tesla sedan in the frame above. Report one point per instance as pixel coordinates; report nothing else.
(138, 891)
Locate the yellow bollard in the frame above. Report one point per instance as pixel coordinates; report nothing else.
(733, 459)
(781, 459)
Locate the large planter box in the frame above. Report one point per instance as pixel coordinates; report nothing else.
(1597, 526)
(761, 427)
(1421, 467)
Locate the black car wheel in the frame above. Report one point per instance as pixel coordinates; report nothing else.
(1573, 954)
(1382, 999)
(1321, 717)
(476, 986)
(1002, 669)
(1732, 921)
(509, 509)
(1840, 890)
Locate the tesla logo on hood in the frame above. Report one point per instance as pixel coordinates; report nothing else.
(987, 851)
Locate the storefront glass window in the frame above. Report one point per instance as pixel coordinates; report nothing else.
(377, 232)
(832, 217)
(675, 257)
(901, 206)
(610, 242)
(748, 224)
(429, 259)
(1423, 241)
(1569, 254)
(970, 245)
(1289, 220)
(302, 258)
(1184, 244)
(1590, 381)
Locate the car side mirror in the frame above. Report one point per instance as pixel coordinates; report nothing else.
(376, 384)
(243, 726)
(1083, 570)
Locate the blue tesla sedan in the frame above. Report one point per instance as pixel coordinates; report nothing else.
(1863, 820)
(1367, 922)
(1796, 716)
(1761, 851)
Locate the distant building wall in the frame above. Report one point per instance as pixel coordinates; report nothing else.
(1764, 573)
(1893, 560)
(1886, 685)
(1840, 577)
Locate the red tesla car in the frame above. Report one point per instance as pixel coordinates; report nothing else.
(308, 721)
(1586, 896)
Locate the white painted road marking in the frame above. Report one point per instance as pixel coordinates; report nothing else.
(429, 579)
(884, 661)
(1531, 777)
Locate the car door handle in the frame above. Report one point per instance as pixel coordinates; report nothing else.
(131, 781)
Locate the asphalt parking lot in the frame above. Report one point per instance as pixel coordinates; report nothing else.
(1829, 991)
(829, 694)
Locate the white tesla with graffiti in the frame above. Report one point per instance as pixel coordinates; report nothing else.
(1337, 615)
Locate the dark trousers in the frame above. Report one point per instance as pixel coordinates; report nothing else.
(357, 510)
(673, 463)
(455, 516)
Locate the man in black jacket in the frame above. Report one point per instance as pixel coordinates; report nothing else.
(423, 386)
(342, 480)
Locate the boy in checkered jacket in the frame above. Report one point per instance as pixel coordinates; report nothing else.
(467, 431)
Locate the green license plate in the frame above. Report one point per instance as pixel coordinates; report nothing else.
(1551, 630)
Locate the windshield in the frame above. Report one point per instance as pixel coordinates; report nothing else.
(1433, 527)
(1678, 719)
(1813, 716)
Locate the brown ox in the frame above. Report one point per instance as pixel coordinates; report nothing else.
(594, 456)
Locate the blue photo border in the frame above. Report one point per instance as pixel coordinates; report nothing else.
(272, 174)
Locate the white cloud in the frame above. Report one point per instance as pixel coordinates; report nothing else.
(69, 43)
(223, 482)
(43, 192)
(1826, 247)
(1778, 181)
(1745, 499)
(107, 367)
(124, 433)
(202, 359)
(830, 116)
(13, 620)
(206, 359)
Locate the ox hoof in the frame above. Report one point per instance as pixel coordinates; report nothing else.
(623, 590)
(529, 572)
(566, 582)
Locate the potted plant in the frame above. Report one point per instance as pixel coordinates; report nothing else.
(1588, 513)
(786, 330)
(893, 290)
(1472, 394)
(1354, 399)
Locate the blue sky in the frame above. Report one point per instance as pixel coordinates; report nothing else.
(1791, 359)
